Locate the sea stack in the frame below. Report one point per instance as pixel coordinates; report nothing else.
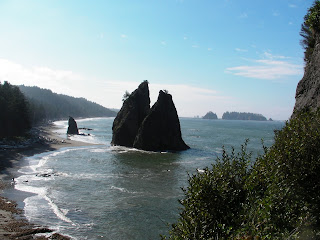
(155, 129)
(72, 126)
(160, 130)
(128, 120)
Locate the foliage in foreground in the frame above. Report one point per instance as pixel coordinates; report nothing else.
(277, 198)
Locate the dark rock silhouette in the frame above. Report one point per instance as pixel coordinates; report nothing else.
(160, 130)
(72, 128)
(129, 118)
(210, 115)
(308, 89)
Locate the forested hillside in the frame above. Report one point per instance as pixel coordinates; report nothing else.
(48, 105)
(14, 112)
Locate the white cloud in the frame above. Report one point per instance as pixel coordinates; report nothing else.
(241, 50)
(123, 36)
(185, 38)
(195, 46)
(269, 69)
(292, 5)
(209, 49)
(189, 100)
(163, 43)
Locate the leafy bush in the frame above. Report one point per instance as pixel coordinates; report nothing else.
(213, 203)
(277, 198)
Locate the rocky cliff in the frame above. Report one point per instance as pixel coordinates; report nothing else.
(129, 118)
(308, 89)
(160, 130)
(72, 126)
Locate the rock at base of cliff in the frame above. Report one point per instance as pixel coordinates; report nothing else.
(72, 126)
(160, 130)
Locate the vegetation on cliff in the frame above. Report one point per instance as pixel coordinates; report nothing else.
(278, 197)
(310, 29)
(243, 116)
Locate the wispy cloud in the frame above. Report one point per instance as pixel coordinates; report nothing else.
(123, 36)
(292, 5)
(209, 49)
(270, 68)
(244, 15)
(241, 50)
(195, 46)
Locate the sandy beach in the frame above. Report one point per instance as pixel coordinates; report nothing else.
(12, 223)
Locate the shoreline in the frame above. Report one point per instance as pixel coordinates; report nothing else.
(13, 224)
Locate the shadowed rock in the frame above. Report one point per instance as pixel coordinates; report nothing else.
(72, 128)
(160, 130)
(128, 120)
(308, 89)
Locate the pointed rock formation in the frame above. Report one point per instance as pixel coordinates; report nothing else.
(128, 120)
(72, 126)
(160, 130)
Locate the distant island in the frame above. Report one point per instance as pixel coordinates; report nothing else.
(243, 116)
(210, 115)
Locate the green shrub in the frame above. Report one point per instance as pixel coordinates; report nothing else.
(214, 199)
(277, 198)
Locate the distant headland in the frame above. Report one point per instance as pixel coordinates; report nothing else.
(243, 116)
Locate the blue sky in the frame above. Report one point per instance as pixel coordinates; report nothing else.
(222, 55)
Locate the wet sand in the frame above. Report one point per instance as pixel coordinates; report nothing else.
(12, 222)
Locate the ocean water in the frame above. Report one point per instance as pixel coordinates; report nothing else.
(107, 192)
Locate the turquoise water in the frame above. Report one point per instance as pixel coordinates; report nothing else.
(105, 192)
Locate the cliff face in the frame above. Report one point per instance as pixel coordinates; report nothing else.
(160, 130)
(129, 118)
(308, 89)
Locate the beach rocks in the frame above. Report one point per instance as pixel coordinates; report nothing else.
(72, 128)
(128, 120)
(160, 130)
(155, 129)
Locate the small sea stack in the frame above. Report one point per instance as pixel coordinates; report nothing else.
(72, 126)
